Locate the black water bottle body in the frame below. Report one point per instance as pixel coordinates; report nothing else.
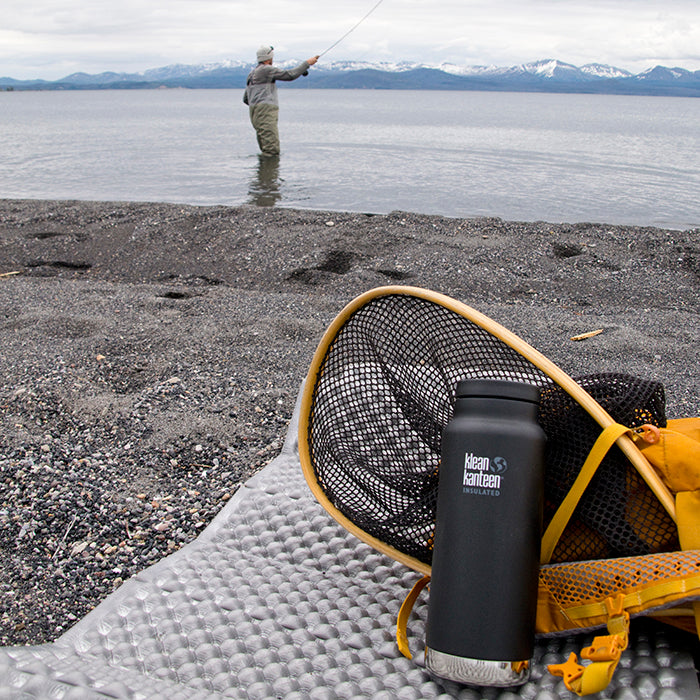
(483, 592)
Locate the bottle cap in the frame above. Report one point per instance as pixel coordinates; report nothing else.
(498, 389)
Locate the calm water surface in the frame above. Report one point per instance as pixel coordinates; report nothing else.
(520, 156)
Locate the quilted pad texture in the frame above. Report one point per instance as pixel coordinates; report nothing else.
(275, 600)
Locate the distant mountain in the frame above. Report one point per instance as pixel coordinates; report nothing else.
(547, 75)
(598, 70)
(670, 75)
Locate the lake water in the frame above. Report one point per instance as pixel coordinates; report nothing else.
(520, 156)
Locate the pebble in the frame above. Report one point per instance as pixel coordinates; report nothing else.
(77, 521)
(128, 417)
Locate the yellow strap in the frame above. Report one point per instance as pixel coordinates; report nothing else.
(596, 677)
(688, 509)
(604, 654)
(675, 590)
(404, 614)
(604, 442)
(584, 680)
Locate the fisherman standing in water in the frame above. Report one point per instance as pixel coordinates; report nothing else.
(261, 97)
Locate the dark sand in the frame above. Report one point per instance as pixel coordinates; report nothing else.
(151, 355)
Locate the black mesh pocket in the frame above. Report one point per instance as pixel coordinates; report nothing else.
(384, 393)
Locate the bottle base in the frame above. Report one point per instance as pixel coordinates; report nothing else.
(499, 674)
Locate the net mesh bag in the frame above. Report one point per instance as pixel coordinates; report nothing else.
(384, 392)
(578, 583)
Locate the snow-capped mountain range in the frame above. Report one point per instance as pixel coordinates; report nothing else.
(549, 68)
(548, 75)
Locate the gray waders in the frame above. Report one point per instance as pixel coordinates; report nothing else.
(264, 118)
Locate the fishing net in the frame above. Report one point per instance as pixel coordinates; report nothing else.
(384, 392)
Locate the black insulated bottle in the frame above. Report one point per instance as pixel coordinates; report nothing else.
(483, 592)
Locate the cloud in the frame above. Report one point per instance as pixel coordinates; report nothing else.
(48, 38)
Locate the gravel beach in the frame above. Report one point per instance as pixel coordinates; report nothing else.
(152, 353)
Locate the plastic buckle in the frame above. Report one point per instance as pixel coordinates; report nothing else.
(604, 654)
(605, 648)
(570, 670)
(519, 666)
(618, 619)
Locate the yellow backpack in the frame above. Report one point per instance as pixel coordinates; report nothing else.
(622, 484)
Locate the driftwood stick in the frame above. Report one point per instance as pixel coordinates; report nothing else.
(60, 544)
(590, 334)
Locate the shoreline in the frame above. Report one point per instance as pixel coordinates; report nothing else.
(152, 354)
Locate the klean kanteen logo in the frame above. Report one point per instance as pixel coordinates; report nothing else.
(483, 477)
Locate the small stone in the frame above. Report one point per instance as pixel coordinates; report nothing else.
(78, 548)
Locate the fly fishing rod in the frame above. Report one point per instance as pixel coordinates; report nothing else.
(351, 30)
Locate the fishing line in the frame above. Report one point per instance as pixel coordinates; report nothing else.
(352, 29)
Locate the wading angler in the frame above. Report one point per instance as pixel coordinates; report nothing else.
(261, 97)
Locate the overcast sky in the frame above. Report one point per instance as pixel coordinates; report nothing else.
(52, 38)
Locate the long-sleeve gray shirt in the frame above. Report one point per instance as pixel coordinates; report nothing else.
(261, 88)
